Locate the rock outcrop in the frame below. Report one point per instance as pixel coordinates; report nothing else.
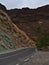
(31, 20)
(2, 7)
(11, 37)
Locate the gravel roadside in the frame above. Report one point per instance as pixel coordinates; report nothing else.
(39, 58)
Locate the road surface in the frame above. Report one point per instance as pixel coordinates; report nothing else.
(16, 57)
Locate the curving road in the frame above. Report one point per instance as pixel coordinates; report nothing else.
(16, 57)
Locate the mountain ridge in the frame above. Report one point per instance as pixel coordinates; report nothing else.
(30, 20)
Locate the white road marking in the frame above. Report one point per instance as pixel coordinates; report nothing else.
(17, 64)
(26, 60)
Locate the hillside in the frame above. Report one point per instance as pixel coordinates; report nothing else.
(30, 20)
(34, 22)
(11, 37)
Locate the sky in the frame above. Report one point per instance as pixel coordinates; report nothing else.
(10, 4)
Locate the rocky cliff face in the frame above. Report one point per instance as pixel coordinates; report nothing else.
(29, 15)
(11, 36)
(30, 20)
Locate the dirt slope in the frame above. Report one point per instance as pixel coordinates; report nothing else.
(10, 35)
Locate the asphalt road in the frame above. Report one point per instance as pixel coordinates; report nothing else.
(16, 57)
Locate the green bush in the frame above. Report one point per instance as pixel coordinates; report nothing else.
(43, 41)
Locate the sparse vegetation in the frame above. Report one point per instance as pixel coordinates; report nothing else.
(43, 41)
